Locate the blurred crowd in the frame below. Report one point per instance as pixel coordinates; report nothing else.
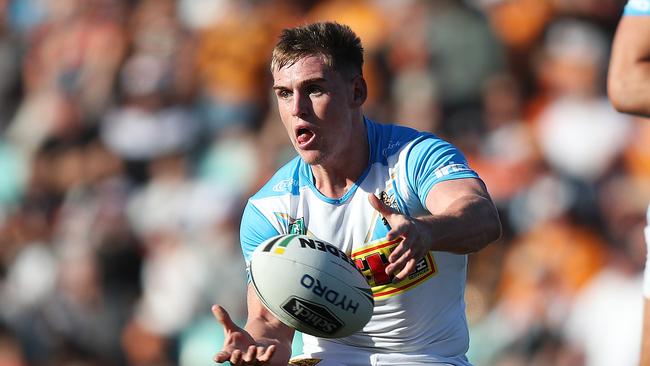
(133, 131)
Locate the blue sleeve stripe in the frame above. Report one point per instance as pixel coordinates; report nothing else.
(255, 229)
(637, 7)
(431, 161)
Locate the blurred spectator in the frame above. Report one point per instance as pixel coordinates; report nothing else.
(69, 69)
(9, 66)
(580, 135)
(414, 91)
(464, 51)
(508, 145)
(617, 286)
(232, 59)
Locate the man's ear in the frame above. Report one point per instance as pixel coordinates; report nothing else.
(359, 91)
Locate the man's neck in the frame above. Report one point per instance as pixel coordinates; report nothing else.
(336, 177)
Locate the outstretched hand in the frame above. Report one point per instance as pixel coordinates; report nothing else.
(414, 245)
(239, 346)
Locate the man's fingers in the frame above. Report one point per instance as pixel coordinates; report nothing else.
(397, 263)
(223, 317)
(253, 353)
(410, 265)
(222, 357)
(398, 251)
(235, 357)
(250, 355)
(265, 356)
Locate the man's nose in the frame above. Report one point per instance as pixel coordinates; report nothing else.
(299, 105)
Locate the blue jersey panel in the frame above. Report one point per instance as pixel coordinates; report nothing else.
(286, 180)
(386, 140)
(255, 228)
(432, 160)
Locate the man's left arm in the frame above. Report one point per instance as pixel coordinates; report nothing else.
(462, 219)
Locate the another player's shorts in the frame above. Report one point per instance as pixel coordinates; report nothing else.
(340, 355)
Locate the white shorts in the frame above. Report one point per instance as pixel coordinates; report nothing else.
(341, 355)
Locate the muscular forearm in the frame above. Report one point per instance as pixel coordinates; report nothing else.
(468, 225)
(267, 330)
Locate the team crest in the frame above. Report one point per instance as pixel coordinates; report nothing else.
(297, 226)
(294, 226)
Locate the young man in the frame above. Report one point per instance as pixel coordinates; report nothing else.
(359, 185)
(628, 86)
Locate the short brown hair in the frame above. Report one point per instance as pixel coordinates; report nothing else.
(339, 46)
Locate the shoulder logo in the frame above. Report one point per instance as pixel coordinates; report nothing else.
(390, 148)
(450, 168)
(285, 185)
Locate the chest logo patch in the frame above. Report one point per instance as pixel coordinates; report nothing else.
(372, 260)
(294, 226)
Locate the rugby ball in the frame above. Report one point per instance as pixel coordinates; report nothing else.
(311, 285)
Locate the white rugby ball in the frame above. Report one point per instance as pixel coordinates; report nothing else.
(311, 285)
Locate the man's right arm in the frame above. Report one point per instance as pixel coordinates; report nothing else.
(263, 340)
(628, 81)
(267, 330)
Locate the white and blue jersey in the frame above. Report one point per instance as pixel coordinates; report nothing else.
(637, 7)
(425, 311)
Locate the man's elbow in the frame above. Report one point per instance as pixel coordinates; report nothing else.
(491, 229)
(494, 230)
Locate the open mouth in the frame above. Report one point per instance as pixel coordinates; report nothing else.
(304, 136)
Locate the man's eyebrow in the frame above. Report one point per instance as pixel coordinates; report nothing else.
(303, 82)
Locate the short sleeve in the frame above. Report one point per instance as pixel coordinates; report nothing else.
(255, 228)
(432, 160)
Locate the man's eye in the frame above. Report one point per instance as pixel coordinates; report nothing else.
(283, 94)
(316, 90)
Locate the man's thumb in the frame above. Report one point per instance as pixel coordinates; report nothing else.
(223, 317)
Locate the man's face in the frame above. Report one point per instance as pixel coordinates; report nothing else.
(316, 106)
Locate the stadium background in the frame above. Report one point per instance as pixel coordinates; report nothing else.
(131, 133)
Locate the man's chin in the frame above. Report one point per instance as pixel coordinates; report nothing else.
(310, 157)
